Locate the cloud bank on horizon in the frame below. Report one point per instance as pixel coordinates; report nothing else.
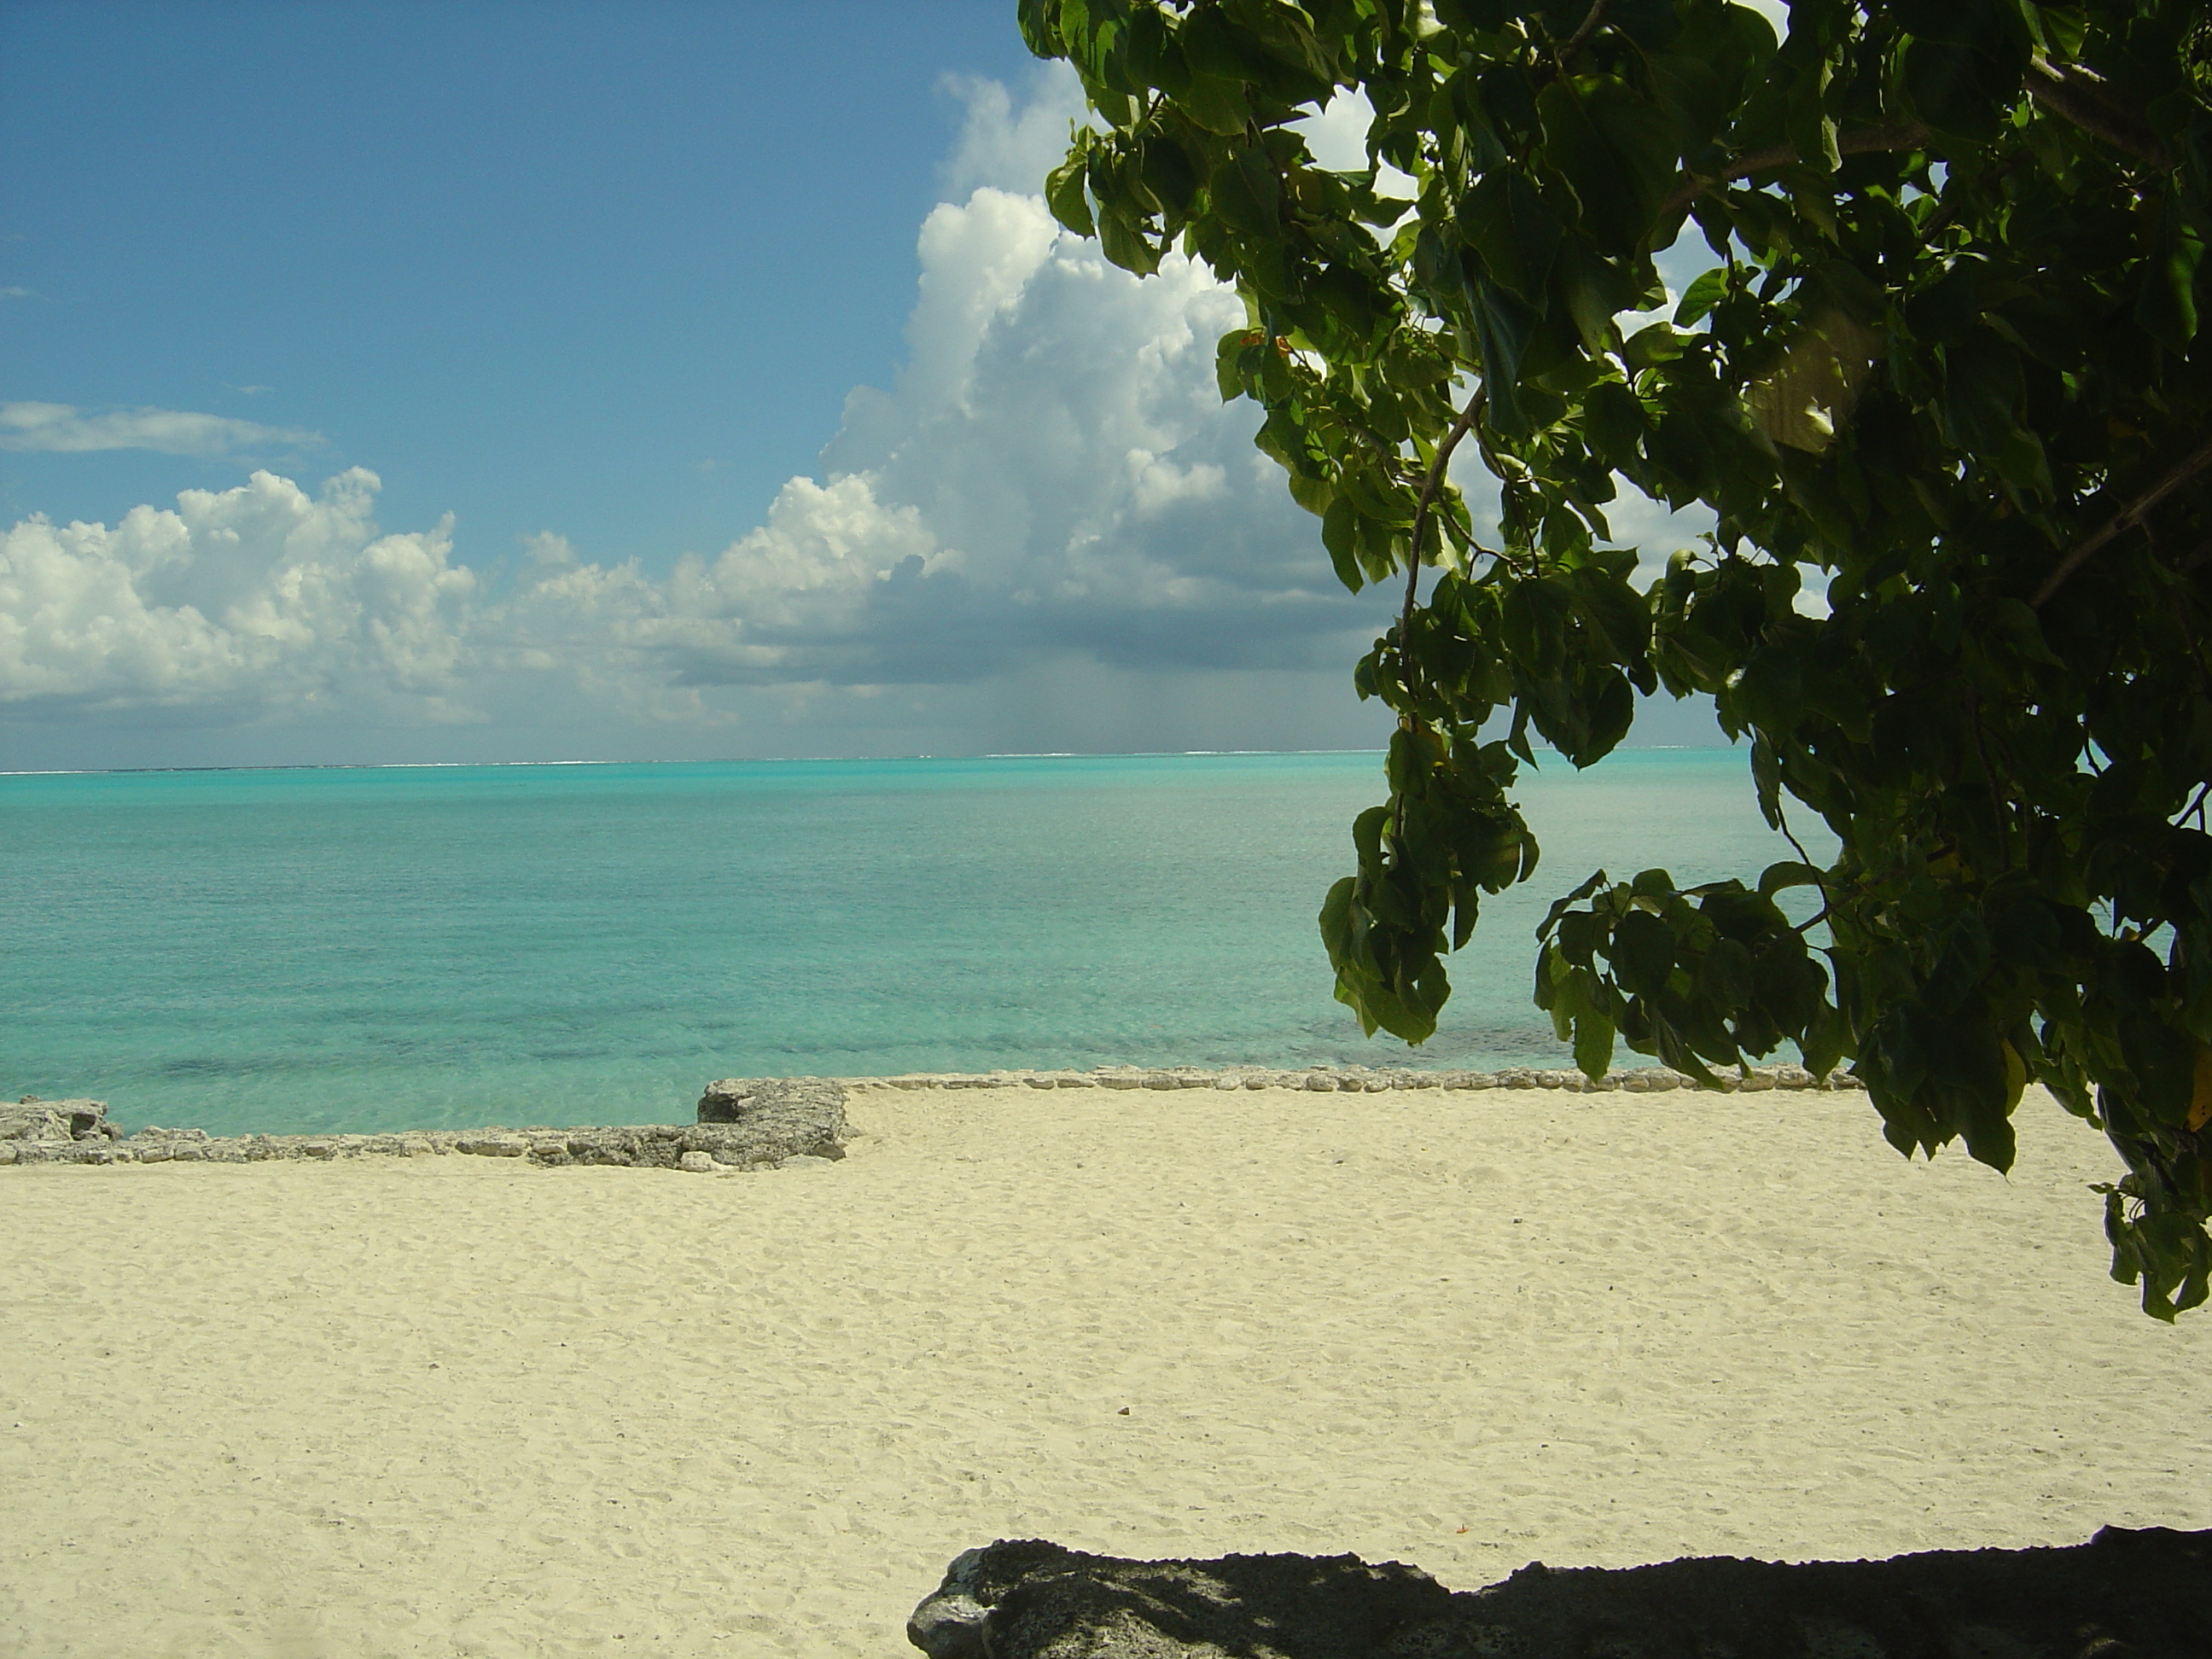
(1049, 534)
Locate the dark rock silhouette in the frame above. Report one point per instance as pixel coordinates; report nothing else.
(2123, 1595)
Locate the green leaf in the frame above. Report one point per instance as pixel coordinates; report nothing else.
(1766, 781)
(1805, 399)
(1618, 151)
(1825, 1041)
(1125, 245)
(1614, 421)
(1534, 615)
(2166, 307)
(1312, 494)
(1217, 104)
(1336, 920)
(1551, 917)
(1506, 222)
(1643, 952)
(1652, 345)
(1063, 193)
(1961, 93)
(1504, 327)
(1039, 21)
(1229, 361)
(1247, 192)
(1281, 33)
(2019, 626)
(1593, 1034)
(1168, 174)
(1706, 290)
(1780, 877)
(1339, 534)
(1615, 612)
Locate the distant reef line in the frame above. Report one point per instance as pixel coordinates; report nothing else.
(757, 1123)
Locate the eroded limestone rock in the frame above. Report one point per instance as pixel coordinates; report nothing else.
(770, 1119)
(33, 1118)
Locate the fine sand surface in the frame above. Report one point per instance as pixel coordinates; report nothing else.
(462, 1405)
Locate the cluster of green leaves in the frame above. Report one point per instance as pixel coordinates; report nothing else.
(1948, 359)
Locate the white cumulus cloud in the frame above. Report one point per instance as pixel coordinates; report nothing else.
(236, 603)
(1052, 481)
(1011, 144)
(1047, 531)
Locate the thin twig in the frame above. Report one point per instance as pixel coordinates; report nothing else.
(1575, 41)
(1783, 817)
(2124, 519)
(1430, 487)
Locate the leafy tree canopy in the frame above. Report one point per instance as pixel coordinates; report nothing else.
(1947, 358)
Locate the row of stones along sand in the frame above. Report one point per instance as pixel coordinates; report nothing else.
(752, 1123)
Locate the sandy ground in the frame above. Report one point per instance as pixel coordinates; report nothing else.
(457, 1405)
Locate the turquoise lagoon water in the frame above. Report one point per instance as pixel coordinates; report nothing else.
(376, 949)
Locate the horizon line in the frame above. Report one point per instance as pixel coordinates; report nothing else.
(763, 759)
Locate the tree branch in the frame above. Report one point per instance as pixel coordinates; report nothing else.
(2126, 519)
(2076, 94)
(1430, 486)
(2069, 91)
(1911, 136)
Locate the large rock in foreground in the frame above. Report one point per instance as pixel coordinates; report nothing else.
(2123, 1595)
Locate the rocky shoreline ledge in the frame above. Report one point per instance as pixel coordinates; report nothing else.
(755, 1123)
(745, 1123)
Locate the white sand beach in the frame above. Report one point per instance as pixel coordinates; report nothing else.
(454, 1406)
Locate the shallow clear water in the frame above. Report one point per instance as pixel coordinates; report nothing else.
(368, 950)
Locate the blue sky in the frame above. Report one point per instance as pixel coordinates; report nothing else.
(470, 381)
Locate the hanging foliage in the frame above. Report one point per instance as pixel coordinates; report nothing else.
(1945, 374)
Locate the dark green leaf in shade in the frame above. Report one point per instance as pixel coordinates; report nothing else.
(1247, 192)
(1643, 952)
(1505, 220)
(1217, 103)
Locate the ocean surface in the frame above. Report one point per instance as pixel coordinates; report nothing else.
(375, 949)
